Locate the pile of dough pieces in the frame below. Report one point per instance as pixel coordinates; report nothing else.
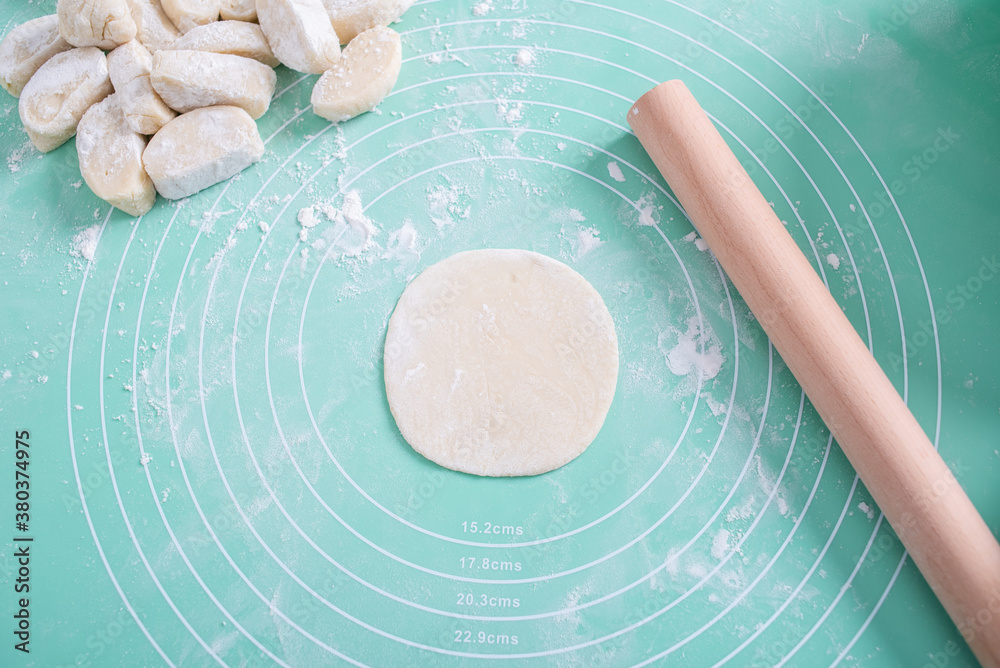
(162, 94)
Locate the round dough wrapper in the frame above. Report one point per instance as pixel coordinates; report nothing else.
(500, 363)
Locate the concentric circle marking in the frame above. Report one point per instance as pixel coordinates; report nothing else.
(600, 599)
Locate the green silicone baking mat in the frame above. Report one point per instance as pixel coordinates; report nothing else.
(216, 478)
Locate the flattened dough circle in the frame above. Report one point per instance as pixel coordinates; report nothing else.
(500, 363)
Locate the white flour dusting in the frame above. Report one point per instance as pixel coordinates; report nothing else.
(833, 260)
(403, 242)
(85, 243)
(16, 157)
(308, 220)
(867, 510)
(482, 8)
(720, 544)
(616, 172)
(354, 213)
(525, 57)
(647, 207)
(510, 113)
(587, 240)
(444, 206)
(687, 357)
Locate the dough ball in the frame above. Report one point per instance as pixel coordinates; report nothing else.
(500, 363)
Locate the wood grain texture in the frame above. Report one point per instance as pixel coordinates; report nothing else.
(947, 538)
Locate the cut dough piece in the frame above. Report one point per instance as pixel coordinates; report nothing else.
(366, 73)
(26, 48)
(500, 363)
(153, 28)
(110, 155)
(129, 66)
(238, 10)
(60, 92)
(236, 38)
(101, 23)
(186, 14)
(352, 17)
(300, 34)
(188, 80)
(201, 148)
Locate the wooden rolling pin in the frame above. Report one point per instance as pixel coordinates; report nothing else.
(947, 538)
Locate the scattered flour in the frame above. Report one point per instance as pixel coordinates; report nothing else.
(444, 206)
(402, 242)
(525, 57)
(510, 113)
(85, 243)
(308, 220)
(354, 213)
(833, 260)
(647, 207)
(686, 357)
(307, 217)
(699, 243)
(16, 157)
(867, 510)
(741, 512)
(587, 240)
(482, 8)
(616, 172)
(720, 544)
(671, 564)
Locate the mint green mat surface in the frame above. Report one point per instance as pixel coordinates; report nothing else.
(216, 479)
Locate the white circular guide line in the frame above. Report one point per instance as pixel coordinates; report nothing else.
(479, 580)
(866, 315)
(920, 268)
(76, 468)
(840, 594)
(694, 484)
(170, 330)
(802, 583)
(355, 143)
(885, 187)
(107, 451)
(155, 496)
(142, 451)
(691, 414)
(760, 121)
(312, 284)
(180, 461)
(527, 131)
(836, 223)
